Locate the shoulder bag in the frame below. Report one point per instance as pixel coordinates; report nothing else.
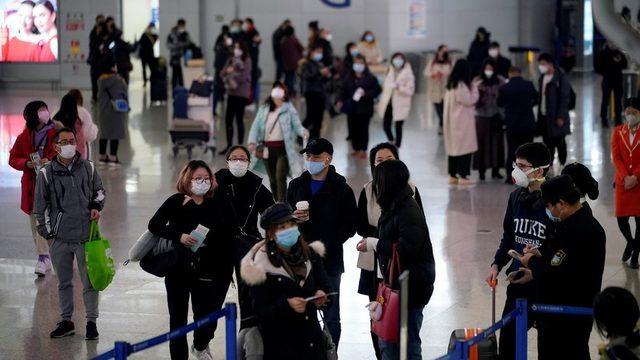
(388, 326)
(119, 105)
(261, 148)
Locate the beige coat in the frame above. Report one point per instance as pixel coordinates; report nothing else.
(459, 120)
(371, 52)
(437, 84)
(400, 95)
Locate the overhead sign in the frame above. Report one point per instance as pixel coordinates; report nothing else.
(337, 3)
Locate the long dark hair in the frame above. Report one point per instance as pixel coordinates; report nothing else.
(30, 113)
(381, 146)
(445, 58)
(270, 102)
(68, 113)
(389, 179)
(461, 73)
(347, 50)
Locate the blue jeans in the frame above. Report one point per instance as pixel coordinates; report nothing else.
(332, 312)
(414, 346)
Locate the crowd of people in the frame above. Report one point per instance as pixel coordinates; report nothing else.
(291, 272)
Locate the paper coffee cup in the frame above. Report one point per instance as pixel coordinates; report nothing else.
(302, 205)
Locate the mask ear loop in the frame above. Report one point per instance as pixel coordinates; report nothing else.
(536, 169)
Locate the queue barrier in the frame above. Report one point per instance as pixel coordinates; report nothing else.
(519, 315)
(230, 312)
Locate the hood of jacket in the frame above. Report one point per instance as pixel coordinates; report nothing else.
(255, 266)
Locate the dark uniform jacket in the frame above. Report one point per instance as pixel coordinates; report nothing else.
(518, 97)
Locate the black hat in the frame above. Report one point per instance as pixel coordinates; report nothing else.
(277, 213)
(318, 146)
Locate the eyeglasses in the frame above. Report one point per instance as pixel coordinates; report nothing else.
(521, 166)
(238, 159)
(66, 142)
(201, 180)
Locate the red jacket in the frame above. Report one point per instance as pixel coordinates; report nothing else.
(626, 160)
(19, 155)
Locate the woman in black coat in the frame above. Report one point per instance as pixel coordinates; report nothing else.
(358, 92)
(283, 271)
(402, 226)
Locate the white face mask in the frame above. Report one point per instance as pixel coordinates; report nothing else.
(494, 53)
(68, 151)
(237, 52)
(329, 37)
(200, 188)
(521, 178)
(228, 42)
(238, 168)
(43, 116)
(488, 73)
(277, 93)
(543, 69)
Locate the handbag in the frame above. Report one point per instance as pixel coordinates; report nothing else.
(261, 148)
(330, 346)
(118, 105)
(245, 241)
(388, 326)
(148, 243)
(100, 265)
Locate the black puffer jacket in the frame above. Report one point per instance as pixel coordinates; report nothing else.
(287, 335)
(332, 212)
(404, 224)
(557, 98)
(371, 88)
(312, 80)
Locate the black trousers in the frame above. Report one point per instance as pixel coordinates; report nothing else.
(563, 337)
(360, 131)
(507, 341)
(235, 110)
(440, 111)
(176, 76)
(559, 143)
(207, 296)
(102, 145)
(94, 82)
(514, 141)
(388, 119)
(146, 63)
(315, 113)
(609, 85)
(460, 165)
(625, 229)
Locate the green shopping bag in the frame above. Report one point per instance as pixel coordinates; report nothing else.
(100, 264)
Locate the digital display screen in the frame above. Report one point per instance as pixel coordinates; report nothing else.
(29, 31)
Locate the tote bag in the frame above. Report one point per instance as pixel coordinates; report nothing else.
(100, 265)
(388, 326)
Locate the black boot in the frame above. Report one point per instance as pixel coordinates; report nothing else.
(634, 259)
(626, 255)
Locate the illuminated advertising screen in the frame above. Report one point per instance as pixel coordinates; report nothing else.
(29, 31)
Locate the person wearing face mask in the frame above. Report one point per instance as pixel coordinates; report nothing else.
(525, 223)
(356, 98)
(112, 123)
(177, 42)
(276, 39)
(554, 122)
(69, 194)
(350, 52)
(147, 56)
(437, 71)
(324, 41)
(251, 37)
(479, 50)
(237, 80)
(315, 75)
(330, 217)
(625, 154)
(368, 216)
(489, 122)
(502, 64)
(283, 271)
(33, 148)
(610, 63)
(203, 275)
(223, 51)
(402, 232)
(577, 251)
(397, 91)
(369, 48)
(235, 29)
(291, 50)
(277, 127)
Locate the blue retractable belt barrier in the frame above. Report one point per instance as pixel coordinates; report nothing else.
(123, 349)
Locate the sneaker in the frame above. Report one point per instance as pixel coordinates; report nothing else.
(453, 180)
(65, 328)
(201, 355)
(626, 255)
(41, 267)
(92, 331)
(465, 181)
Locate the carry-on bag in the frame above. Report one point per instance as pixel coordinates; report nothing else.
(100, 265)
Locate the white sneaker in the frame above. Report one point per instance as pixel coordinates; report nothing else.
(201, 355)
(41, 268)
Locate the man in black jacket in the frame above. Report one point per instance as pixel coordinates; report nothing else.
(147, 57)
(502, 63)
(331, 217)
(610, 63)
(518, 97)
(276, 40)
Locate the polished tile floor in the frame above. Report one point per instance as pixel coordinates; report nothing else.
(464, 223)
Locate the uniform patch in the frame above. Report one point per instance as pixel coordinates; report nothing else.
(558, 258)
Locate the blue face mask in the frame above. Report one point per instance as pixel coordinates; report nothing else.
(317, 57)
(314, 167)
(354, 52)
(358, 67)
(287, 238)
(550, 215)
(369, 38)
(398, 63)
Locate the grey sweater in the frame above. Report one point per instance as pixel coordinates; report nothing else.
(64, 199)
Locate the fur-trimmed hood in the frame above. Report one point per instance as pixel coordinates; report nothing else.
(255, 266)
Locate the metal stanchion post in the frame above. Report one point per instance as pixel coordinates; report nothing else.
(120, 350)
(522, 326)
(230, 320)
(404, 314)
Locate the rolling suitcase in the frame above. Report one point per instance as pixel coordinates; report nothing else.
(487, 349)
